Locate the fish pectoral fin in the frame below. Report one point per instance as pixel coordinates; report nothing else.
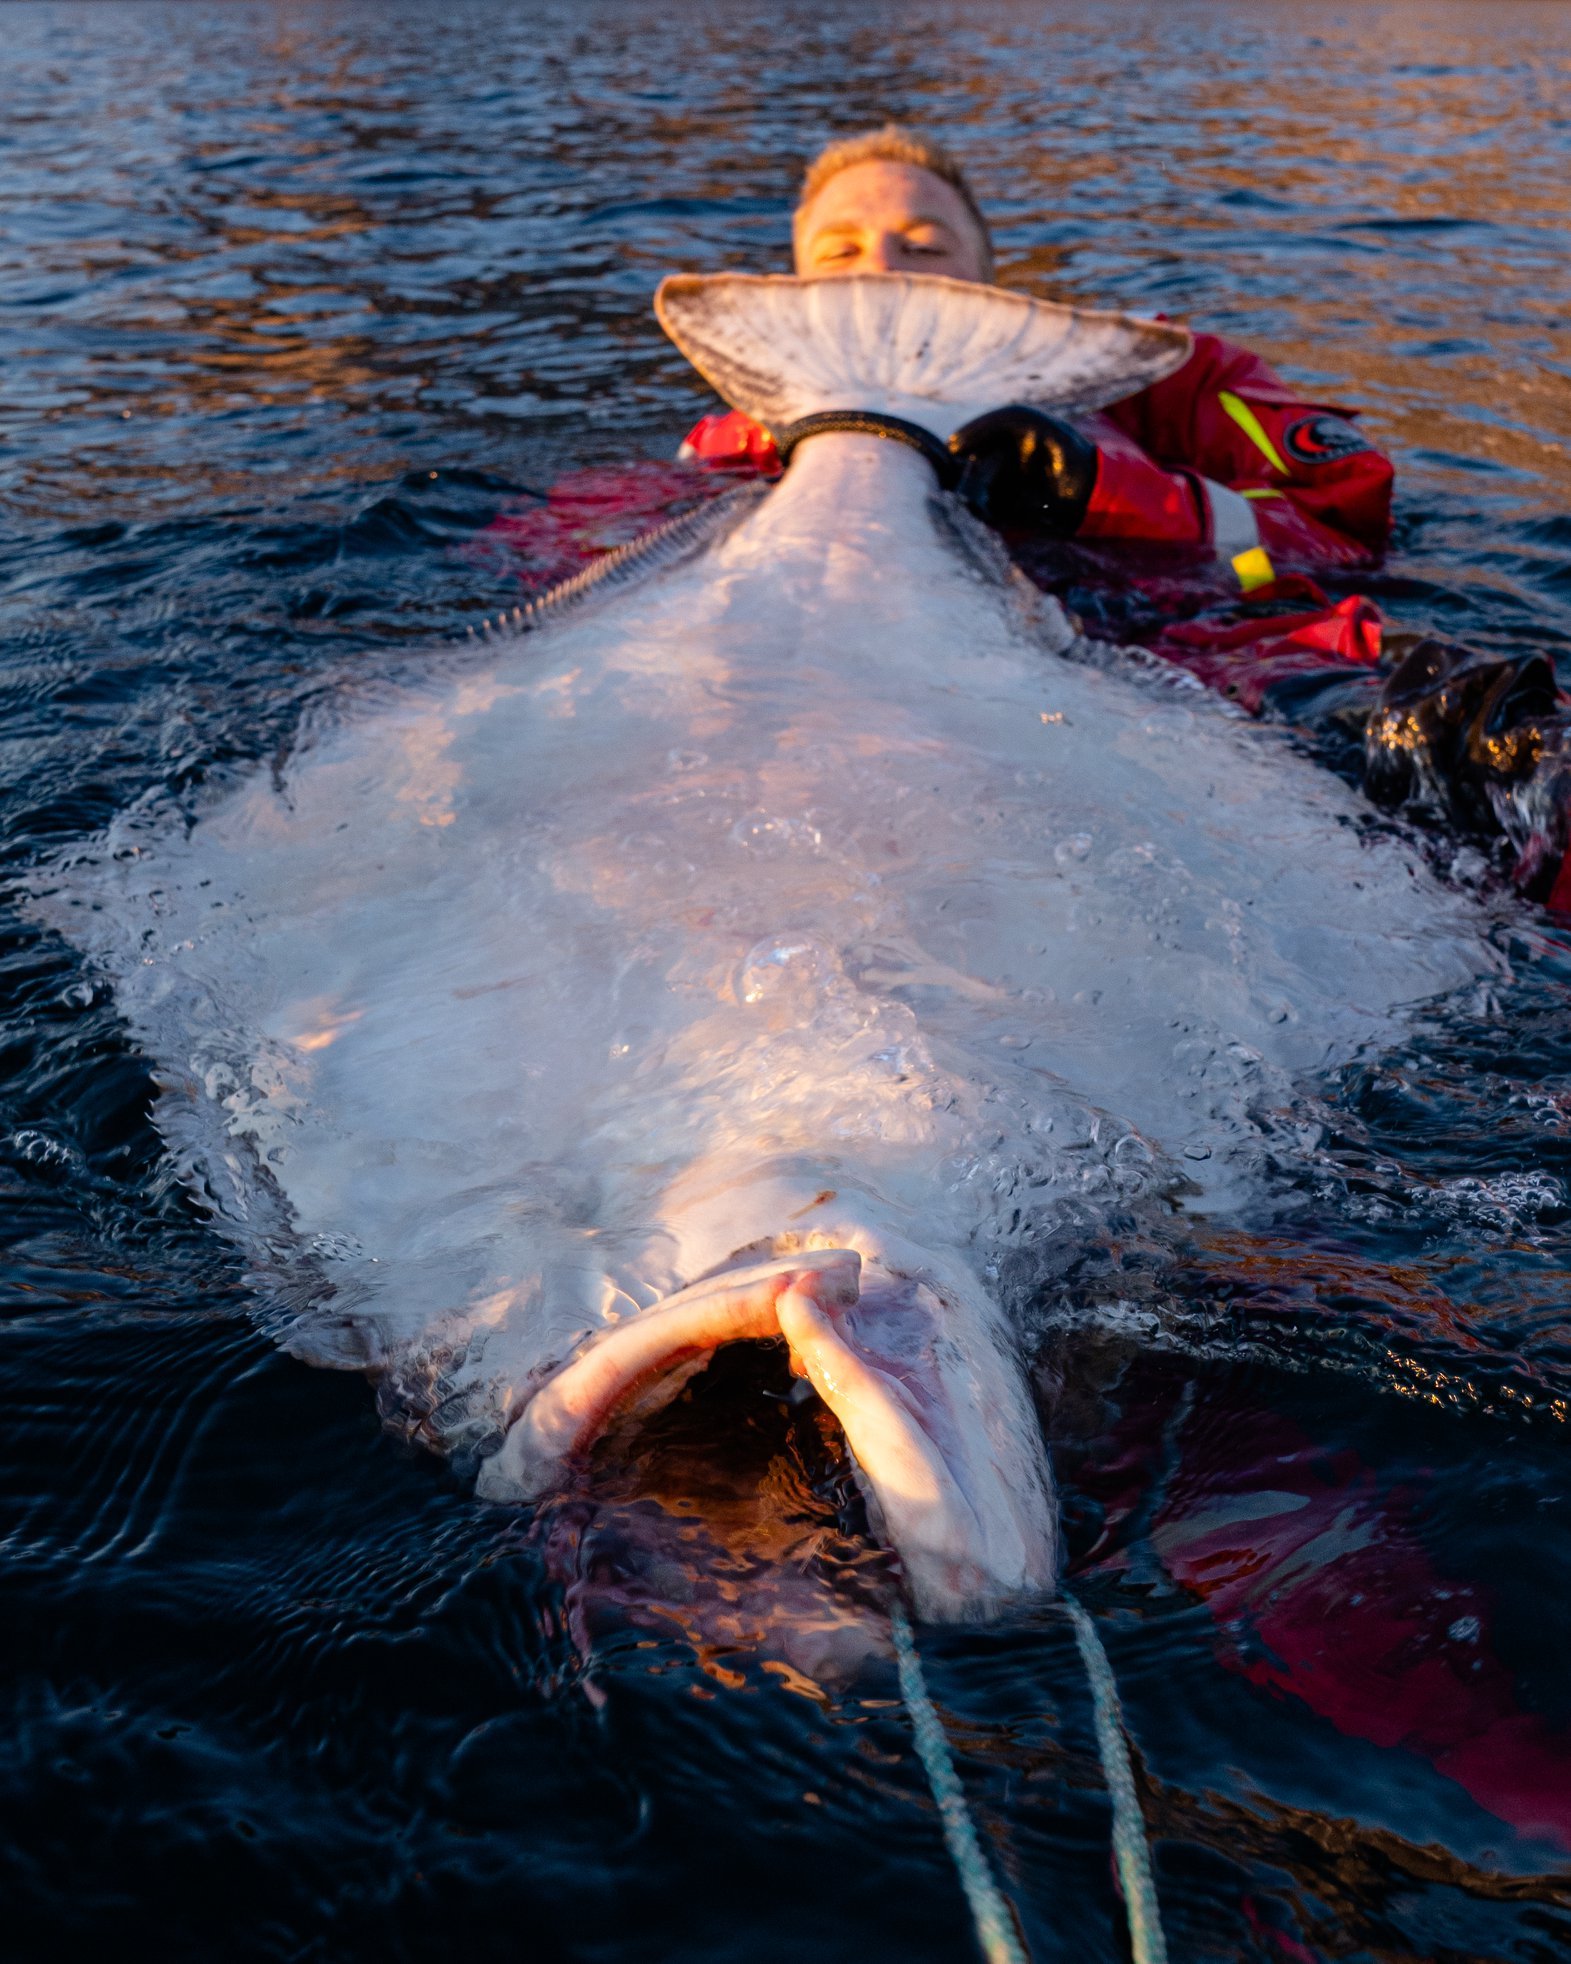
(568, 1413)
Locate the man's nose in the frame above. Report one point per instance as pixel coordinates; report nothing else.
(881, 253)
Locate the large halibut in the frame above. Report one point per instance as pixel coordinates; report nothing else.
(789, 943)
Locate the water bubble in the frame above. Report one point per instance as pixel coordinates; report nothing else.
(336, 1247)
(1509, 1202)
(38, 1149)
(771, 966)
(1168, 723)
(650, 854)
(1076, 846)
(1131, 858)
(759, 831)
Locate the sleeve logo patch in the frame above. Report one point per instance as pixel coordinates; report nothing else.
(1322, 439)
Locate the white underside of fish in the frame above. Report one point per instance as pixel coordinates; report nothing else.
(796, 923)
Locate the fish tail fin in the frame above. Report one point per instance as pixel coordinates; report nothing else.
(932, 351)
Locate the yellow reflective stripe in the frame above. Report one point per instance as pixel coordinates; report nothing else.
(1253, 568)
(1250, 424)
(1260, 494)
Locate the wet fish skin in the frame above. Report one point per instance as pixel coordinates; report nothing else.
(813, 896)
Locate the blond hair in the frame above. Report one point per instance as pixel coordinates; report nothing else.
(894, 144)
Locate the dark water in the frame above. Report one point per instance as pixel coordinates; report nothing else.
(293, 301)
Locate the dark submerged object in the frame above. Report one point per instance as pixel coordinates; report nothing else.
(1479, 741)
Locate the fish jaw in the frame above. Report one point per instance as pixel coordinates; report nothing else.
(630, 1362)
(949, 1450)
(935, 1412)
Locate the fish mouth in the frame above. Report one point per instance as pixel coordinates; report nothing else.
(949, 1453)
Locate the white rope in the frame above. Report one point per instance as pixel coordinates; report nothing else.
(1129, 1834)
(995, 1929)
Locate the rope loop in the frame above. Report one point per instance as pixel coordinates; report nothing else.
(996, 1934)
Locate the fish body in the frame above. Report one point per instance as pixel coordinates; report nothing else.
(785, 945)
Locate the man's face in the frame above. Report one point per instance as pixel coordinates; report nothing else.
(887, 218)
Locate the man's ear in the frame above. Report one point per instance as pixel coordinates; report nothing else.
(798, 236)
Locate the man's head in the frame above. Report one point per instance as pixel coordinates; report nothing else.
(889, 202)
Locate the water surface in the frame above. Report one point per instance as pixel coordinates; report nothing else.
(293, 302)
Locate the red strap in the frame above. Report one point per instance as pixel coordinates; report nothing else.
(1244, 659)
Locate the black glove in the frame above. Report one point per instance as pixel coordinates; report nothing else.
(1025, 470)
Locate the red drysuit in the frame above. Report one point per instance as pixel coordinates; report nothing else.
(1218, 490)
(1315, 1570)
(1223, 461)
(1222, 455)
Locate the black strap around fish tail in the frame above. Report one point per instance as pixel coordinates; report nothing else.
(872, 422)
